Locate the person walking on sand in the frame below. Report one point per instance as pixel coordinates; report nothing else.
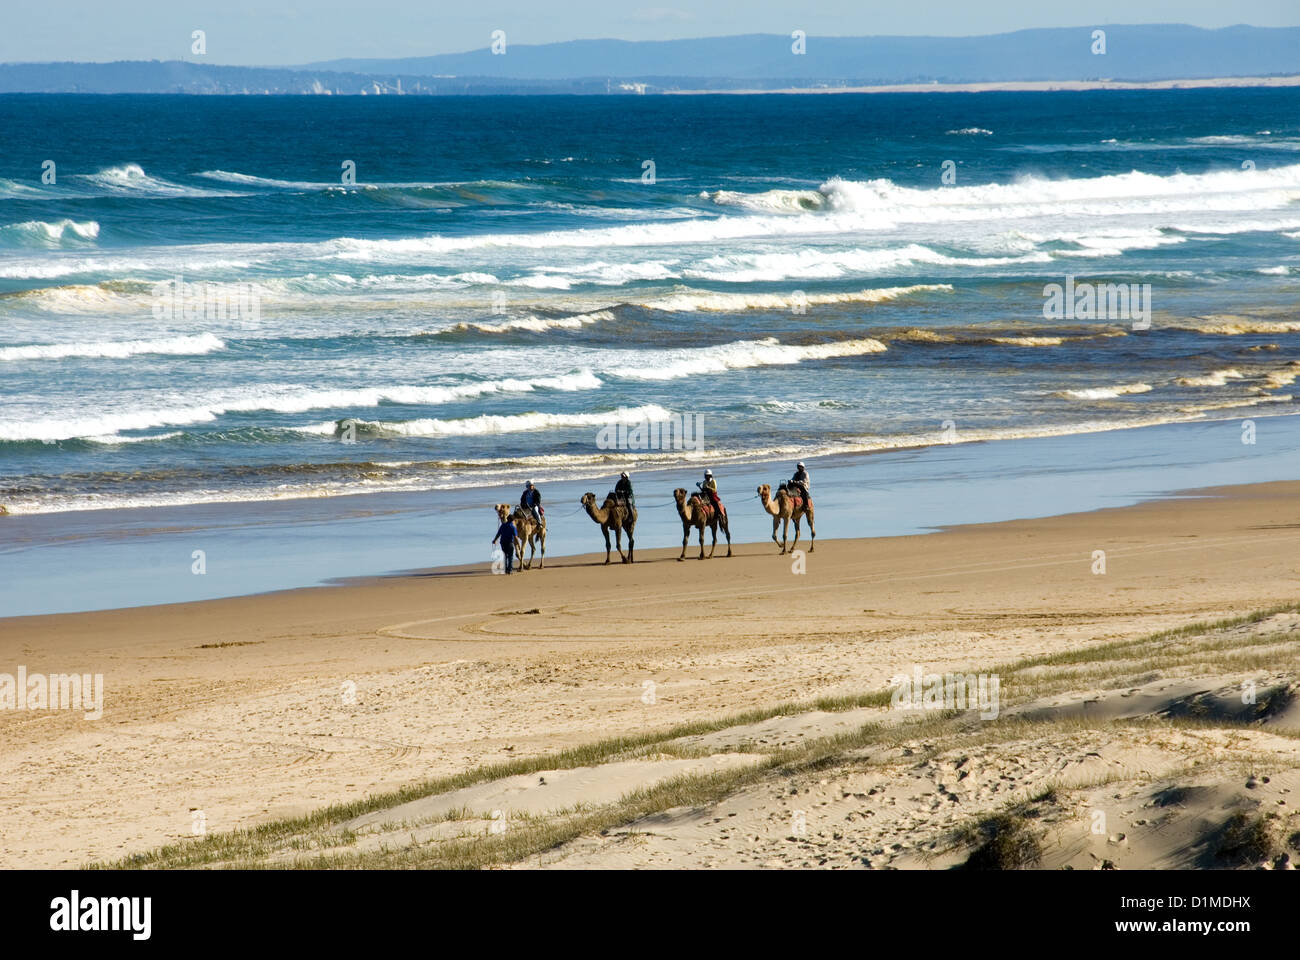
(507, 533)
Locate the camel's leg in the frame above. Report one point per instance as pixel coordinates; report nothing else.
(726, 528)
(618, 542)
(629, 544)
(605, 531)
(686, 538)
(812, 531)
(701, 529)
(785, 533)
(796, 534)
(776, 522)
(713, 529)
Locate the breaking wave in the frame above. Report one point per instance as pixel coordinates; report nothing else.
(116, 349)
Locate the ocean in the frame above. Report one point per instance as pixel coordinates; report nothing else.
(253, 301)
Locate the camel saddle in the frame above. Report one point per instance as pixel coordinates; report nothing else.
(706, 505)
(796, 499)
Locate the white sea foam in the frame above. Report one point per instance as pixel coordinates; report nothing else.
(292, 399)
(1028, 341)
(1104, 393)
(743, 354)
(820, 264)
(13, 189)
(1234, 326)
(98, 298)
(706, 300)
(116, 349)
(1115, 193)
(488, 423)
(770, 201)
(850, 207)
(1216, 378)
(245, 179)
(538, 324)
(41, 233)
(130, 178)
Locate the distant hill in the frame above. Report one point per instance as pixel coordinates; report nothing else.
(1156, 52)
(763, 61)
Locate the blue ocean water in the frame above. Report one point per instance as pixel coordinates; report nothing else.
(809, 276)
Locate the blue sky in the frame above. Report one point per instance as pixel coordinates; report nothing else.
(298, 31)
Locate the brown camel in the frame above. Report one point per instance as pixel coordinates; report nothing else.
(783, 509)
(699, 513)
(613, 515)
(530, 532)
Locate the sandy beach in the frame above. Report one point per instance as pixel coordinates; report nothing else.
(234, 713)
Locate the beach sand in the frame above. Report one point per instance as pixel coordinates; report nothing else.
(237, 712)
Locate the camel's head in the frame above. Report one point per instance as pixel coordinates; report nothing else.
(765, 492)
(588, 500)
(503, 511)
(679, 495)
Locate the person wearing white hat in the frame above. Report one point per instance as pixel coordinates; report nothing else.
(709, 487)
(623, 489)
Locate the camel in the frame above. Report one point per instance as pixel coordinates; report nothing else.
(613, 515)
(698, 513)
(784, 509)
(529, 532)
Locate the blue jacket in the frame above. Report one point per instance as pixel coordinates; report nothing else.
(506, 533)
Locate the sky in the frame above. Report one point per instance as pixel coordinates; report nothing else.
(289, 32)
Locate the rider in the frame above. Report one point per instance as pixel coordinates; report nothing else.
(623, 489)
(802, 481)
(709, 487)
(532, 502)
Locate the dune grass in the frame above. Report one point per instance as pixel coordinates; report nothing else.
(319, 839)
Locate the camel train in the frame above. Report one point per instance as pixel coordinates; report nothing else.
(697, 510)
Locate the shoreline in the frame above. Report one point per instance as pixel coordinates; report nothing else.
(1022, 86)
(646, 556)
(449, 669)
(128, 558)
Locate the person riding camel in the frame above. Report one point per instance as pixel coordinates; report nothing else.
(801, 482)
(532, 502)
(709, 487)
(623, 489)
